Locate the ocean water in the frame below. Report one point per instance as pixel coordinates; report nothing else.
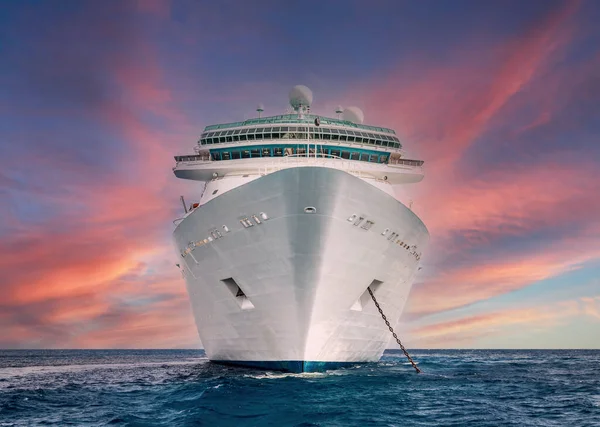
(182, 388)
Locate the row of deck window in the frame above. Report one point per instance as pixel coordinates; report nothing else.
(288, 119)
(300, 150)
(275, 151)
(299, 132)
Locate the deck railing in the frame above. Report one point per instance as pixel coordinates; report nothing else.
(204, 157)
(294, 119)
(318, 159)
(405, 162)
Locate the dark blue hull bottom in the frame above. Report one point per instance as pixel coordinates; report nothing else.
(295, 366)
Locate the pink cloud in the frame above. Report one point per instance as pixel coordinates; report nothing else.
(518, 197)
(91, 263)
(506, 205)
(89, 287)
(543, 118)
(445, 109)
(158, 8)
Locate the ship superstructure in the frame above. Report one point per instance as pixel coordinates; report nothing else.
(297, 219)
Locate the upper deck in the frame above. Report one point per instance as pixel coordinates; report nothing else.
(289, 129)
(249, 146)
(306, 119)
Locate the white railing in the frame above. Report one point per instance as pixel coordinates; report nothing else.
(406, 162)
(266, 165)
(322, 160)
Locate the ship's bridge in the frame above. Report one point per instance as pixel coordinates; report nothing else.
(265, 144)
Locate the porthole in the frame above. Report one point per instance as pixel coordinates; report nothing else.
(310, 210)
(215, 192)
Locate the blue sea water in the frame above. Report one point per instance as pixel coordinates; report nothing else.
(182, 388)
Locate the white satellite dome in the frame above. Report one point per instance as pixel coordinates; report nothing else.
(300, 95)
(354, 115)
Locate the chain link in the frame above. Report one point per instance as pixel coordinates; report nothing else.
(414, 365)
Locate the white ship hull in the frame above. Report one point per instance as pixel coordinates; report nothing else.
(304, 304)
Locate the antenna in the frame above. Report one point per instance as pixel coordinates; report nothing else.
(183, 203)
(260, 109)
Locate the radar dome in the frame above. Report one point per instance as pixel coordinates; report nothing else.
(354, 115)
(300, 95)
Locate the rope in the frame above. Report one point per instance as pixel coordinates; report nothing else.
(414, 365)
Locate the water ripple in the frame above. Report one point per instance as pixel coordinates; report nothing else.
(164, 388)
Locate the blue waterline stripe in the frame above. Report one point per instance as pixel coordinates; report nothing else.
(295, 366)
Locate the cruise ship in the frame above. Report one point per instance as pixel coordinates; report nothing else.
(297, 221)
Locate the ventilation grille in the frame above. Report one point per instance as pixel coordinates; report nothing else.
(238, 294)
(365, 298)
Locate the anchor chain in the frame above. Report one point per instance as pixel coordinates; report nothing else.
(414, 365)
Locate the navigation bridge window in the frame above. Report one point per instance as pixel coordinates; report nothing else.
(347, 153)
(300, 150)
(299, 132)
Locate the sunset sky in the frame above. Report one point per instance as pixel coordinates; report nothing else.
(501, 100)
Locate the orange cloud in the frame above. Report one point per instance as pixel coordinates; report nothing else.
(474, 282)
(465, 331)
(591, 306)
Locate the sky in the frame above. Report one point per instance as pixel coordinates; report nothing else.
(501, 100)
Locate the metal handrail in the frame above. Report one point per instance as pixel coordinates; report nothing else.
(286, 159)
(406, 162)
(350, 166)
